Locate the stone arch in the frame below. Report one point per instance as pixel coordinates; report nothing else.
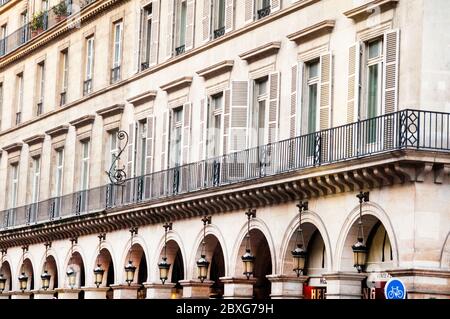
(7, 272)
(106, 260)
(138, 241)
(371, 214)
(171, 236)
(52, 268)
(26, 266)
(105, 246)
(211, 230)
(308, 217)
(79, 265)
(445, 253)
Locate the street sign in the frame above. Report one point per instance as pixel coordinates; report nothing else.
(395, 289)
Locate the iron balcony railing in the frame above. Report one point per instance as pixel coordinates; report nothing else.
(115, 74)
(180, 50)
(406, 129)
(87, 87)
(62, 98)
(264, 12)
(41, 22)
(219, 32)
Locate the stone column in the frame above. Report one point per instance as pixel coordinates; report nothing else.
(125, 291)
(5, 295)
(196, 289)
(158, 290)
(238, 287)
(44, 294)
(286, 287)
(67, 293)
(21, 295)
(342, 285)
(95, 293)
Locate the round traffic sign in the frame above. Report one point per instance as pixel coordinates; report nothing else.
(395, 289)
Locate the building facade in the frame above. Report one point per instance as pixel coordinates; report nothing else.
(227, 107)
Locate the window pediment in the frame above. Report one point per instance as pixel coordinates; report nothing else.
(142, 97)
(177, 84)
(364, 11)
(111, 110)
(60, 130)
(261, 52)
(36, 139)
(313, 31)
(83, 121)
(216, 69)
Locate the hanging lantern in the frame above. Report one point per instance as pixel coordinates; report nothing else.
(2, 283)
(298, 258)
(202, 267)
(359, 255)
(98, 275)
(72, 275)
(45, 277)
(129, 272)
(164, 267)
(249, 260)
(23, 281)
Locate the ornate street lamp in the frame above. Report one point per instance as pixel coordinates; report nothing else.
(248, 259)
(23, 278)
(163, 265)
(2, 278)
(130, 269)
(99, 271)
(71, 273)
(45, 277)
(359, 248)
(203, 263)
(299, 253)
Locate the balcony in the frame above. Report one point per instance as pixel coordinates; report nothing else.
(264, 12)
(402, 130)
(219, 32)
(144, 66)
(180, 50)
(41, 22)
(115, 74)
(39, 109)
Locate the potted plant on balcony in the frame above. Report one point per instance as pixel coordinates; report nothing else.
(61, 11)
(37, 23)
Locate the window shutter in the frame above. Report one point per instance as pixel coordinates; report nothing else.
(206, 20)
(238, 116)
(150, 144)
(165, 139)
(274, 105)
(186, 136)
(275, 5)
(296, 93)
(170, 19)
(353, 90)
(202, 152)
(130, 163)
(249, 10)
(140, 47)
(391, 57)
(229, 15)
(190, 19)
(326, 69)
(155, 33)
(226, 121)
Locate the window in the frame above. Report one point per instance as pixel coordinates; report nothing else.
(309, 112)
(19, 98)
(35, 178)
(181, 26)
(59, 170)
(215, 125)
(260, 112)
(87, 88)
(84, 183)
(219, 18)
(374, 70)
(3, 34)
(117, 52)
(176, 133)
(113, 149)
(40, 88)
(263, 8)
(146, 36)
(14, 185)
(64, 67)
(23, 29)
(141, 147)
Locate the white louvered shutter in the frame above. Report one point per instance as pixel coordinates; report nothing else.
(353, 93)
(325, 101)
(229, 15)
(275, 5)
(170, 20)
(238, 116)
(249, 10)
(274, 106)
(203, 137)
(190, 20)
(140, 53)
(149, 156)
(165, 140)
(226, 121)
(155, 33)
(391, 58)
(296, 99)
(206, 20)
(186, 135)
(131, 153)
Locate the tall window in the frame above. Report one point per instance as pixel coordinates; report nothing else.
(64, 69)
(181, 26)
(141, 147)
(219, 18)
(36, 172)
(215, 125)
(146, 36)
(374, 65)
(3, 34)
(84, 182)
(176, 133)
(113, 148)
(59, 170)
(87, 87)
(14, 185)
(23, 29)
(260, 112)
(117, 52)
(41, 88)
(19, 98)
(309, 112)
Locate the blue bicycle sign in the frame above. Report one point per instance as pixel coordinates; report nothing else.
(395, 289)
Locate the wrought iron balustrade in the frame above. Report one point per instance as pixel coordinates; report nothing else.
(264, 12)
(115, 74)
(180, 50)
(219, 32)
(62, 98)
(87, 87)
(406, 129)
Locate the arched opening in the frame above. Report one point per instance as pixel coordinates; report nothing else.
(27, 268)
(5, 271)
(262, 266)
(77, 264)
(214, 254)
(137, 256)
(104, 259)
(176, 271)
(51, 268)
(316, 263)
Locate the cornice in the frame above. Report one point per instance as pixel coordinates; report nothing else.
(216, 69)
(59, 130)
(142, 97)
(177, 84)
(13, 147)
(8, 5)
(364, 11)
(322, 27)
(36, 139)
(83, 121)
(111, 110)
(260, 52)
